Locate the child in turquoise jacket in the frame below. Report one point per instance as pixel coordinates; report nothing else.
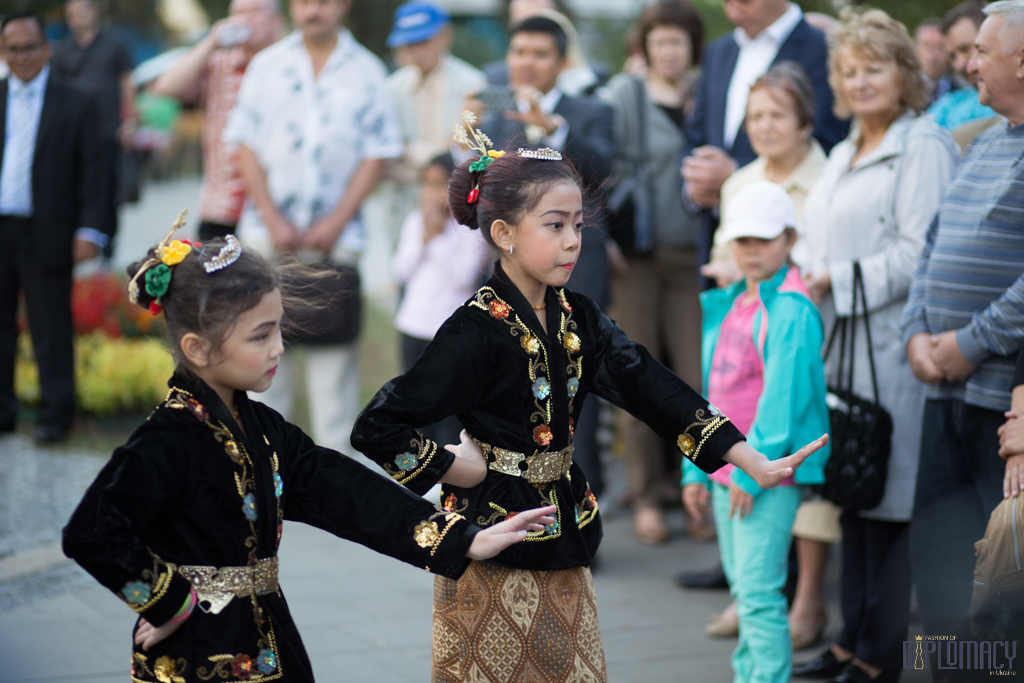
(762, 365)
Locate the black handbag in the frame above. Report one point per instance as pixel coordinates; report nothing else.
(335, 315)
(861, 429)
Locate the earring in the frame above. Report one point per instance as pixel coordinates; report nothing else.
(510, 250)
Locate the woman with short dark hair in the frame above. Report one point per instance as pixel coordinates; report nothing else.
(655, 279)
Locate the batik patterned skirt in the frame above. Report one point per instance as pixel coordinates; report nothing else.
(500, 625)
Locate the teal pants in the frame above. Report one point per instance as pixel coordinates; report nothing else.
(755, 553)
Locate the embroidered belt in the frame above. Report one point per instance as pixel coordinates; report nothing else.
(536, 469)
(218, 586)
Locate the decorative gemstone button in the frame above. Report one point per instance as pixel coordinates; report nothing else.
(541, 388)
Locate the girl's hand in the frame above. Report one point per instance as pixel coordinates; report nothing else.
(492, 540)
(1013, 481)
(469, 468)
(1011, 435)
(769, 473)
(723, 271)
(148, 635)
(740, 501)
(695, 500)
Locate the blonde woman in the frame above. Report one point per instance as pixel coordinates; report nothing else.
(876, 197)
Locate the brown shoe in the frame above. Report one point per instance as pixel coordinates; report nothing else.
(649, 526)
(803, 639)
(725, 624)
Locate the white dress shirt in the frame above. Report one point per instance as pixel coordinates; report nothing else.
(24, 107)
(756, 56)
(311, 132)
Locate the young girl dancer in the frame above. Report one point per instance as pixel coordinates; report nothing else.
(514, 365)
(762, 364)
(184, 522)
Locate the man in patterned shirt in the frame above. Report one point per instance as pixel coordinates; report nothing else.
(963, 327)
(212, 72)
(315, 127)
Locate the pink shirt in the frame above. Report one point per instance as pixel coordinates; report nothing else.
(223, 189)
(737, 377)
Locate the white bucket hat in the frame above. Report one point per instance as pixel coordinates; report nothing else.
(761, 209)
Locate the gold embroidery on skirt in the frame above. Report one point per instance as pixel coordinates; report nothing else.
(500, 625)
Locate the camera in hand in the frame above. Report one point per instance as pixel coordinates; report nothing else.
(497, 99)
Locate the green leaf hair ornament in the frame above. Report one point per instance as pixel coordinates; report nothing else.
(158, 280)
(481, 164)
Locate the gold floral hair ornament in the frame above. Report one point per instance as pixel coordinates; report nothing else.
(476, 140)
(227, 255)
(156, 271)
(544, 154)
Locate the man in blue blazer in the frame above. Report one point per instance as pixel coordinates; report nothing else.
(767, 32)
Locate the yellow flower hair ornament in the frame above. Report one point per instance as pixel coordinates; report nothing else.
(156, 272)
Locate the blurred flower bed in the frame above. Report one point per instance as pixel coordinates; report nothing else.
(121, 363)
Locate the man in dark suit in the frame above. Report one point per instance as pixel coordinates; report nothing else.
(50, 201)
(581, 129)
(767, 32)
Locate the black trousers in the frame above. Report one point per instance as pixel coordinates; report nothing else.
(959, 484)
(48, 303)
(875, 590)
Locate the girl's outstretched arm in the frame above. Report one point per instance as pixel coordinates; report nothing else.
(492, 540)
(768, 473)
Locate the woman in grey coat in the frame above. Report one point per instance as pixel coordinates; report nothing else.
(654, 284)
(873, 203)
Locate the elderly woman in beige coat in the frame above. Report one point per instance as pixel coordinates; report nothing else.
(877, 194)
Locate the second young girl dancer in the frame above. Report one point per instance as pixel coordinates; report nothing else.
(184, 523)
(514, 365)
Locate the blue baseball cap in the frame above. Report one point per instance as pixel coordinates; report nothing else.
(417, 21)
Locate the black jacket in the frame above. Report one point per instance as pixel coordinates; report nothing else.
(516, 388)
(190, 489)
(67, 178)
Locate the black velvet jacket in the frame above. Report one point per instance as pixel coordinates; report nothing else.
(516, 388)
(190, 488)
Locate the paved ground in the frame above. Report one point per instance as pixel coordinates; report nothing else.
(363, 617)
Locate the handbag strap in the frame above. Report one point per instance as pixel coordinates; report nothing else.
(858, 284)
(849, 323)
(643, 238)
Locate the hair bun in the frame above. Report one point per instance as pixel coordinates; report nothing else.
(461, 184)
(144, 299)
